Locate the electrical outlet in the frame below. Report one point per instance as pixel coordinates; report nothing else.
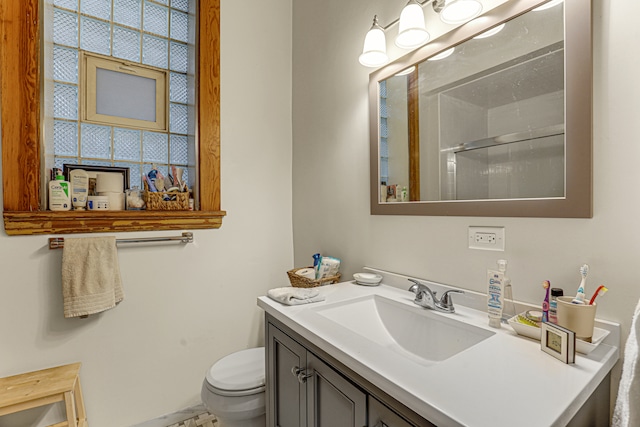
(486, 238)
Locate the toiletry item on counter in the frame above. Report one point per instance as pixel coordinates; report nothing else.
(398, 193)
(59, 195)
(545, 303)
(79, 181)
(534, 315)
(579, 318)
(383, 193)
(600, 291)
(98, 203)
(109, 182)
(495, 287)
(307, 272)
(580, 297)
(553, 304)
(328, 266)
(405, 195)
(135, 201)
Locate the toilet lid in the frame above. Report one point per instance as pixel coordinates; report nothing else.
(242, 370)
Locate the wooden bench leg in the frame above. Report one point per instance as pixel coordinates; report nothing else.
(71, 409)
(79, 401)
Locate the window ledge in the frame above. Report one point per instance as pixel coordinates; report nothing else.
(47, 222)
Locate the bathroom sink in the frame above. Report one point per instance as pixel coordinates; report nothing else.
(414, 332)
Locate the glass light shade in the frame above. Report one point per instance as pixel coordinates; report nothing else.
(491, 32)
(374, 52)
(548, 5)
(460, 11)
(411, 29)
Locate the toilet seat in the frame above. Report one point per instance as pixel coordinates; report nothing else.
(238, 374)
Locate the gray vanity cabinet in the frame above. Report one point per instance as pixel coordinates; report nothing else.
(308, 388)
(332, 401)
(286, 395)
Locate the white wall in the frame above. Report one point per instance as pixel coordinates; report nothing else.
(331, 171)
(185, 306)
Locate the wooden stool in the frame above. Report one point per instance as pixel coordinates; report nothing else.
(39, 388)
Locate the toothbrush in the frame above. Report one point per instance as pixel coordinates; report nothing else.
(600, 291)
(545, 304)
(579, 299)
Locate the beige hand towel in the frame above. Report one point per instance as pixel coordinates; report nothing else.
(90, 276)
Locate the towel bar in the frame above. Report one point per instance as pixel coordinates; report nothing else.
(187, 237)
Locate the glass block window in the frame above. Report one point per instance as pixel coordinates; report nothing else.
(384, 150)
(153, 33)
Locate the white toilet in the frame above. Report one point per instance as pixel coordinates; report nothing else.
(233, 389)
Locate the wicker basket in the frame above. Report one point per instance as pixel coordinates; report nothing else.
(302, 282)
(155, 200)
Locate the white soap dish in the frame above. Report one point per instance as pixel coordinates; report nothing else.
(367, 279)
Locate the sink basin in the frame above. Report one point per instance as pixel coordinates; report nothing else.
(413, 332)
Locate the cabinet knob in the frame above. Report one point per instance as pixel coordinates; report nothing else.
(300, 373)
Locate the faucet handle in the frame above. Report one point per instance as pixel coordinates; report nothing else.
(418, 287)
(446, 301)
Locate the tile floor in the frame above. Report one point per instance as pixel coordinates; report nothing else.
(202, 420)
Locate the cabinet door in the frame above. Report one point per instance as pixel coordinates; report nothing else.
(286, 392)
(332, 400)
(382, 416)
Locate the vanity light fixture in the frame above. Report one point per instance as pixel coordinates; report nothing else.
(374, 53)
(492, 32)
(457, 11)
(442, 55)
(548, 5)
(411, 29)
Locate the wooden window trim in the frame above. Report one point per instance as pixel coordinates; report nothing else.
(21, 96)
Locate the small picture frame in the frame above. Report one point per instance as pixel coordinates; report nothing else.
(94, 170)
(557, 341)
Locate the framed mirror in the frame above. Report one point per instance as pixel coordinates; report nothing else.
(491, 119)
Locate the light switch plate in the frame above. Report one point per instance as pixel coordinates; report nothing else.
(486, 238)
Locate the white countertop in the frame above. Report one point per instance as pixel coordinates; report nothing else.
(505, 380)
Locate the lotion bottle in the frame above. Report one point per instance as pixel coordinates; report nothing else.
(496, 281)
(59, 197)
(79, 180)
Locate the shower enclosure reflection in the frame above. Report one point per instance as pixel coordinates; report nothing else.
(490, 115)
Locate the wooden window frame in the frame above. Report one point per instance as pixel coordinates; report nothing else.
(22, 152)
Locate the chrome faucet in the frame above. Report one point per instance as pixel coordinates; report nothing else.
(425, 297)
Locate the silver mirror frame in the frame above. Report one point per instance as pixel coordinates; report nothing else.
(577, 202)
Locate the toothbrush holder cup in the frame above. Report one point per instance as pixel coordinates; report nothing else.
(580, 318)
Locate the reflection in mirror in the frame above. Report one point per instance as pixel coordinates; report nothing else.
(491, 117)
(483, 119)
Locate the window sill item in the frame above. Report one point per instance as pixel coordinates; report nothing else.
(48, 222)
